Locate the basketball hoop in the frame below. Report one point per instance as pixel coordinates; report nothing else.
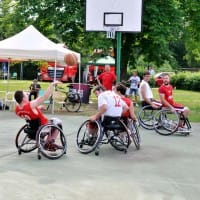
(110, 31)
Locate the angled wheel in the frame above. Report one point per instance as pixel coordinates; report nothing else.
(135, 135)
(24, 142)
(89, 136)
(48, 147)
(73, 102)
(121, 138)
(166, 122)
(145, 117)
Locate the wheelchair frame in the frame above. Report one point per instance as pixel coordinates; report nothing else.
(116, 133)
(28, 140)
(162, 120)
(167, 122)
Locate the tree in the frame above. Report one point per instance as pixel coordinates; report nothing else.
(191, 35)
(170, 29)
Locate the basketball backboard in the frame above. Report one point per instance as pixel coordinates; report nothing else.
(122, 15)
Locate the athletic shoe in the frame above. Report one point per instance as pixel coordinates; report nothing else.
(183, 130)
(50, 146)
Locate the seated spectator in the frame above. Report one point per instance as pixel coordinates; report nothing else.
(34, 89)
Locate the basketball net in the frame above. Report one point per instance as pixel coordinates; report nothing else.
(110, 31)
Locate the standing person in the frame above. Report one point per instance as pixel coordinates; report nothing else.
(34, 89)
(166, 96)
(145, 92)
(151, 71)
(31, 110)
(107, 78)
(135, 82)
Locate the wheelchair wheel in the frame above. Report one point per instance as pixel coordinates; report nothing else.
(23, 142)
(166, 122)
(50, 148)
(145, 117)
(89, 136)
(121, 138)
(73, 102)
(135, 135)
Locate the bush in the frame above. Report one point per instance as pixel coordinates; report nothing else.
(186, 81)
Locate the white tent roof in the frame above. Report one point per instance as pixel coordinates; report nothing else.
(30, 44)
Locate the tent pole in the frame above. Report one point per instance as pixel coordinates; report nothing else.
(21, 71)
(54, 79)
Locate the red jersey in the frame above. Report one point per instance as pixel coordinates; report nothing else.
(107, 79)
(128, 103)
(27, 113)
(167, 90)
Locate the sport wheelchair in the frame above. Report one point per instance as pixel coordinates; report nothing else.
(92, 134)
(33, 136)
(166, 122)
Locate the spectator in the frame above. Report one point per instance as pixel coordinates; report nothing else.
(134, 84)
(107, 78)
(34, 89)
(151, 71)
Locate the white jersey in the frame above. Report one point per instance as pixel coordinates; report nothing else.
(113, 102)
(148, 91)
(134, 80)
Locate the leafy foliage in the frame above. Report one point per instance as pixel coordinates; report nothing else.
(170, 30)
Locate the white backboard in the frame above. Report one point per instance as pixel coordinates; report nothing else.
(126, 15)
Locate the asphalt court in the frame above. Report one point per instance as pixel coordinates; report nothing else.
(165, 168)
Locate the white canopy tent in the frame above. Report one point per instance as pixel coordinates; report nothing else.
(30, 44)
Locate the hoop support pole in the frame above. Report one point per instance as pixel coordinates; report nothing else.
(119, 37)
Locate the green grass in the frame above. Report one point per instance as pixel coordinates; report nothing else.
(188, 98)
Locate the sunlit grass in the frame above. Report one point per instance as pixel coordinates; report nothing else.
(190, 99)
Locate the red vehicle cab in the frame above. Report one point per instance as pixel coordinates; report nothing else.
(63, 73)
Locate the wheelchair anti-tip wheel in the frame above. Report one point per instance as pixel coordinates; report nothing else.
(121, 137)
(145, 117)
(48, 147)
(166, 122)
(24, 142)
(89, 136)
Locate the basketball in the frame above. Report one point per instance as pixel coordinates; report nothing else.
(70, 59)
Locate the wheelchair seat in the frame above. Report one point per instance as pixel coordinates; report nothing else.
(32, 127)
(111, 123)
